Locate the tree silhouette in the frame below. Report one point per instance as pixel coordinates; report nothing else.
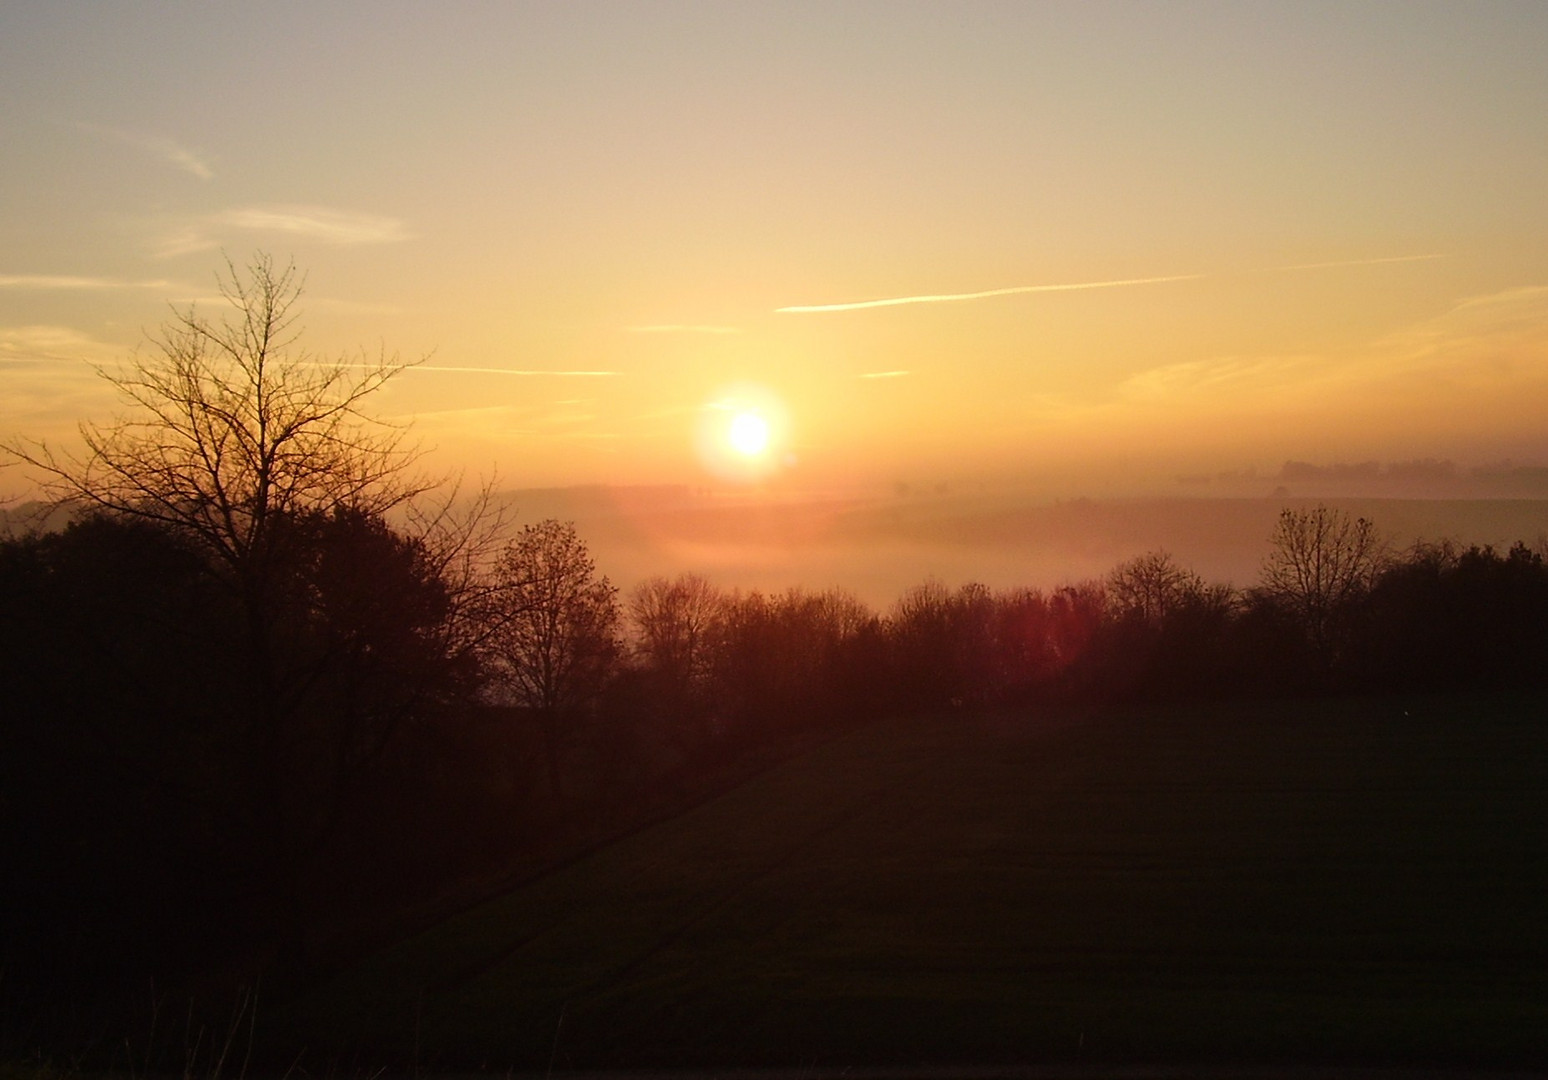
(231, 430)
(1149, 587)
(557, 639)
(1321, 562)
(231, 424)
(1445, 617)
(256, 454)
(674, 622)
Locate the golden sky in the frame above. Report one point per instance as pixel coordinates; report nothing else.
(1083, 246)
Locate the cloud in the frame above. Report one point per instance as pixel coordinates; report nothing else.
(515, 371)
(500, 412)
(49, 379)
(1470, 377)
(439, 368)
(1523, 294)
(170, 151)
(179, 293)
(41, 342)
(318, 223)
(507, 422)
(61, 281)
(1228, 375)
(360, 307)
(683, 328)
(1498, 336)
(939, 298)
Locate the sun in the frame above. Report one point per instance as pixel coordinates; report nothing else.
(748, 434)
(742, 434)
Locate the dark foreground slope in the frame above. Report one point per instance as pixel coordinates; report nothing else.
(1303, 882)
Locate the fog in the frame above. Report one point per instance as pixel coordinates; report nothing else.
(877, 546)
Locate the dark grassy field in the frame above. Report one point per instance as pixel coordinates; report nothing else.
(1312, 883)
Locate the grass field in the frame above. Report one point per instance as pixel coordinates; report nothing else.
(1307, 882)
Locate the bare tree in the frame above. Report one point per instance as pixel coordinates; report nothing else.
(231, 424)
(241, 442)
(1149, 587)
(463, 539)
(257, 454)
(557, 639)
(1322, 561)
(232, 431)
(946, 641)
(673, 620)
(676, 642)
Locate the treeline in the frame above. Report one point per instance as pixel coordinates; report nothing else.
(190, 779)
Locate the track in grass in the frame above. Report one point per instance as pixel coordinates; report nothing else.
(1311, 881)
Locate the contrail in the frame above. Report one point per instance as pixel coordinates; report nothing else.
(1351, 262)
(939, 298)
(884, 374)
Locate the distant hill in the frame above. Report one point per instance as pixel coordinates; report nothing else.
(879, 546)
(25, 517)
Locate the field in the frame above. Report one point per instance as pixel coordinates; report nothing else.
(1362, 881)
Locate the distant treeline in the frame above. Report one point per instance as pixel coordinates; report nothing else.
(207, 784)
(1425, 475)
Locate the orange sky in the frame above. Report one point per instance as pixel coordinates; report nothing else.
(1137, 240)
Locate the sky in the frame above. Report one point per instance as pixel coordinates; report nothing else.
(1082, 247)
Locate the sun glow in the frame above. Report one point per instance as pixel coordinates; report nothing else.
(748, 434)
(742, 434)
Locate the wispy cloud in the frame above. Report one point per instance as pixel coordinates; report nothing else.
(319, 223)
(885, 374)
(169, 150)
(63, 281)
(1486, 351)
(502, 413)
(177, 292)
(48, 343)
(456, 370)
(361, 307)
(506, 422)
(942, 298)
(1499, 335)
(427, 368)
(449, 369)
(49, 379)
(1225, 375)
(683, 328)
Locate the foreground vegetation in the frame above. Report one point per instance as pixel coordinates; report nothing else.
(1317, 882)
